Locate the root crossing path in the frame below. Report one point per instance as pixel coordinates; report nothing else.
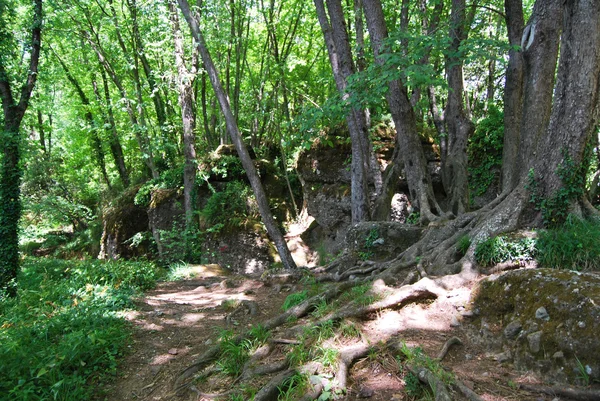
(343, 351)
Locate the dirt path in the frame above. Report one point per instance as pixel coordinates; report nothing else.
(177, 321)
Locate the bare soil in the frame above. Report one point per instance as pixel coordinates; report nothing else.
(178, 321)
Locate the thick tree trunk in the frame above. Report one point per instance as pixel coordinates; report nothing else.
(460, 127)
(540, 43)
(185, 83)
(407, 137)
(513, 94)
(259, 193)
(574, 111)
(10, 169)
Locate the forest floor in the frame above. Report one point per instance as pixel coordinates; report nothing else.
(178, 321)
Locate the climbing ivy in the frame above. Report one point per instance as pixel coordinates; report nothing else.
(555, 208)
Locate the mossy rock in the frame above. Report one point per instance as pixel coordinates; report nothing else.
(548, 319)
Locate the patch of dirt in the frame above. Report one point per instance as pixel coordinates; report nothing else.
(178, 321)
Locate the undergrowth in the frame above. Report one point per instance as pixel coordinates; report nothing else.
(572, 245)
(62, 334)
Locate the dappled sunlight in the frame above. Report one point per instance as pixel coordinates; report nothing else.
(198, 297)
(253, 266)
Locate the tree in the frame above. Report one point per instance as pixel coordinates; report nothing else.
(236, 138)
(10, 172)
(185, 81)
(409, 150)
(340, 56)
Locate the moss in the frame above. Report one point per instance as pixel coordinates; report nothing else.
(570, 299)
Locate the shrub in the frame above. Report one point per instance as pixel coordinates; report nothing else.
(62, 334)
(231, 207)
(485, 151)
(502, 248)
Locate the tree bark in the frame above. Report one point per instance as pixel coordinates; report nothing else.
(460, 127)
(259, 193)
(407, 137)
(539, 44)
(10, 170)
(574, 111)
(340, 57)
(185, 83)
(513, 93)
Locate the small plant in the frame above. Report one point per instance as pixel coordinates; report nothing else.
(258, 335)
(292, 387)
(327, 357)
(463, 244)
(294, 299)
(321, 309)
(233, 354)
(583, 372)
(413, 218)
(349, 330)
(416, 356)
(230, 304)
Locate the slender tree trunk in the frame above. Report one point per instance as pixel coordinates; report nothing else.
(95, 141)
(407, 137)
(259, 193)
(185, 82)
(115, 144)
(460, 127)
(340, 57)
(10, 169)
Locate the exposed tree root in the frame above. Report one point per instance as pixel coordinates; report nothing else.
(569, 392)
(346, 359)
(270, 391)
(452, 341)
(425, 376)
(467, 392)
(297, 311)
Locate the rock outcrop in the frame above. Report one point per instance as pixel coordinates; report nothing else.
(542, 320)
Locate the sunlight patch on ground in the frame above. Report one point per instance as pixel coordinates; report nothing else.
(210, 299)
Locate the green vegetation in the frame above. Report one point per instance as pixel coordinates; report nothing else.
(63, 334)
(574, 245)
(500, 249)
(485, 152)
(555, 207)
(294, 299)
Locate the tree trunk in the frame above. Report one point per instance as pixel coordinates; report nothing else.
(113, 137)
(259, 193)
(574, 112)
(407, 137)
(10, 169)
(340, 57)
(460, 127)
(513, 93)
(185, 83)
(540, 43)
(95, 141)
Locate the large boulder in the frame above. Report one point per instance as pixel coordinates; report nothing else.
(378, 240)
(543, 320)
(122, 221)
